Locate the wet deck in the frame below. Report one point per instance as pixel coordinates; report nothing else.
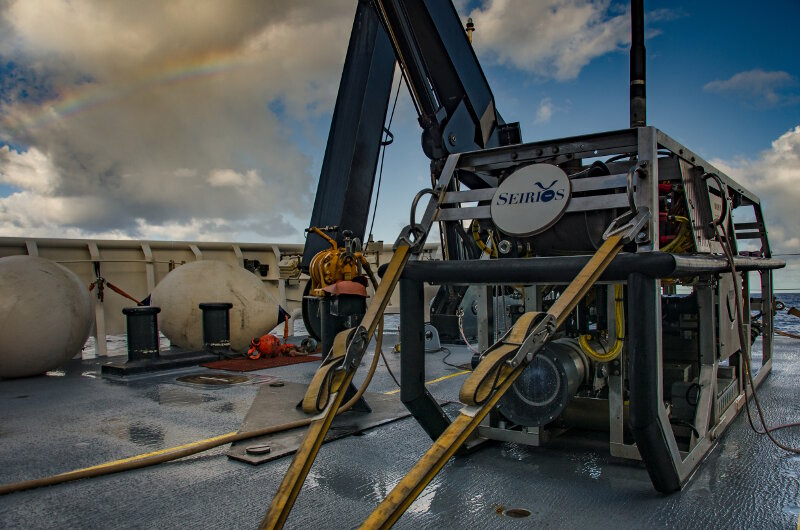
(75, 419)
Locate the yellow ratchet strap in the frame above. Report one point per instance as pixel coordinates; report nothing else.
(489, 381)
(326, 394)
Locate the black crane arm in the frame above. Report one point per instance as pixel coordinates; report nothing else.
(455, 104)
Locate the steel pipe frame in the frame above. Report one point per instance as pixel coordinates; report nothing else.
(563, 269)
(668, 466)
(413, 393)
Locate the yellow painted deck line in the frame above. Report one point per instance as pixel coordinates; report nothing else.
(432, 381)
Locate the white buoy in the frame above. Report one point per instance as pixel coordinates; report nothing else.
(181, 292)
(45, 315)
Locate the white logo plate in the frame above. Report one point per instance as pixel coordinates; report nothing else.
(531, 200)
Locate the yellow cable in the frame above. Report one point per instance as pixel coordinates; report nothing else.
(481, 245)
(682, 241)
(181, 451)
(432, 381)
(614, 352)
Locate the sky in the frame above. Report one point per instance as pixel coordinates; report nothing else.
(207, 120)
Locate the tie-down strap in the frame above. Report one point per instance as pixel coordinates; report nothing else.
(512, 352)
(329, 376)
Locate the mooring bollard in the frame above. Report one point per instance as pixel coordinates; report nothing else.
(216, 326)
(142, 330)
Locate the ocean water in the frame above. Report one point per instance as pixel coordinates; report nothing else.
(783, 320)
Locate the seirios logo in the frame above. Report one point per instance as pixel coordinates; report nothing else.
(530, 200)
(545, 194)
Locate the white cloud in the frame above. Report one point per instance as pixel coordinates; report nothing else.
(550, 38)
(185, 172)
(31, 170)
(228, 177)
(545, 111)
(765, 87)
(160, 114)
(774, 177)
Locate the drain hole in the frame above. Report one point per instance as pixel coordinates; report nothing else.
(517, 513)
(213, 379)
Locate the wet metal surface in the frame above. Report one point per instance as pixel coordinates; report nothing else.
(53, 424)
(277, 405)
(215, 379)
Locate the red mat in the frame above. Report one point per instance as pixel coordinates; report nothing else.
(248, 365)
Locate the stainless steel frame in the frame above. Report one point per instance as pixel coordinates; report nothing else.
(657, 157)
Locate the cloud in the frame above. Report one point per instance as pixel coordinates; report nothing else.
(146, 118)
(545, 111)
(774, 176)
(550, 38)
(756, 86)
(227, 177)
(31, 170)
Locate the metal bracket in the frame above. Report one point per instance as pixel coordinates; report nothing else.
(634, 224)
(542, 330)
(355, 348)
(100, 283)
(412, 236)
(640, 170)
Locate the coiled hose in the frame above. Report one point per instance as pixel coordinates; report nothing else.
(615, 350)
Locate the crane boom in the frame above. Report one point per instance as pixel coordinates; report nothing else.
(454, 102)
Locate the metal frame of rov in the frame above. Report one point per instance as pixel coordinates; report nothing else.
(674, 344)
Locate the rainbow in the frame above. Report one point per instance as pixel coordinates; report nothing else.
(90, 95)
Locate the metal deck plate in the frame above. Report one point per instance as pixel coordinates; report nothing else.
(275, 405)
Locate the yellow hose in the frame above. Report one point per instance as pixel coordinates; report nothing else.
(614, 352)
(679, 244)
(174, 453)
(481, 245)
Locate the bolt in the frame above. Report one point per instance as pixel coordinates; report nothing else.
(616, 372)
(641, 236)
(452, 139)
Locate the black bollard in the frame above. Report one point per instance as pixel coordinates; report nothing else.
(216, 326)
(142, 324)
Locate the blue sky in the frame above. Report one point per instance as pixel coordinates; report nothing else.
(691, 45)
(210, 123)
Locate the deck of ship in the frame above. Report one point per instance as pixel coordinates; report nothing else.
(74, 418)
